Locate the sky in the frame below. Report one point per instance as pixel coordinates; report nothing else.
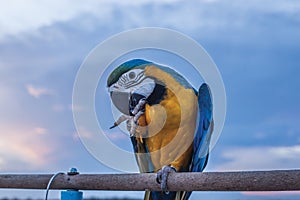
(255, 45)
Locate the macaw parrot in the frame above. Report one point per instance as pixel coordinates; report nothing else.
(170, 123)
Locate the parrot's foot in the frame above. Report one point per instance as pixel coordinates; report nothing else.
(162, 177)
(139, 106)
(137, 112)
(132, 123)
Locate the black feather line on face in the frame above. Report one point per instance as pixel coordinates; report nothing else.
(157, 95)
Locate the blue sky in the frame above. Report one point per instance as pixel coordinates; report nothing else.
(255, 44)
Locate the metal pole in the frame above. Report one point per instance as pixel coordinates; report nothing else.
(277, 180)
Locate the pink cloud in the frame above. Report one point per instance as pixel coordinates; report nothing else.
(38, 91)
(23, 148)
(40, 131)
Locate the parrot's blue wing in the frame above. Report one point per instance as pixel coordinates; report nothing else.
(204, 130)
(203, 133)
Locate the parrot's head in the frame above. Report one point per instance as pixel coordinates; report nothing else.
(128, 84)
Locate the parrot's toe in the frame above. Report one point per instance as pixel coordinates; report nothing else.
(137, 103)
(162, 177)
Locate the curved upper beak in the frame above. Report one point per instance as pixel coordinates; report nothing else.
(120, 99)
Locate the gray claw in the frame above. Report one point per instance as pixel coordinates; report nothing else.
(162, 177)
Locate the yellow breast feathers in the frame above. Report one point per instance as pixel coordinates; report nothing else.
(171, 123)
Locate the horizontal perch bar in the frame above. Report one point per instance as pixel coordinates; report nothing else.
(277, 180)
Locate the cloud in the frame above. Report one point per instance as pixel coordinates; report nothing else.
(19, 16)
(260, 158)
(279, 193)
(40, 131)
(38, 91)
(23, 148)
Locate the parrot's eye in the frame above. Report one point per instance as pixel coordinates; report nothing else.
(131, 75)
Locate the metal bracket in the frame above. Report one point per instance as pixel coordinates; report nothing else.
(72, 194)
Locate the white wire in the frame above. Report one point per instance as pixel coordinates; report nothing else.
(50, 182)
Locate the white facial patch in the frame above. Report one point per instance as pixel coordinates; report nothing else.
(145, 88)
(134, 81)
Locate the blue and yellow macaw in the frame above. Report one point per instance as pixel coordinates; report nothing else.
(170, 123)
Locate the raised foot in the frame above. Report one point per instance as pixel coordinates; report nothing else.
(162, 177)
(136, 110)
